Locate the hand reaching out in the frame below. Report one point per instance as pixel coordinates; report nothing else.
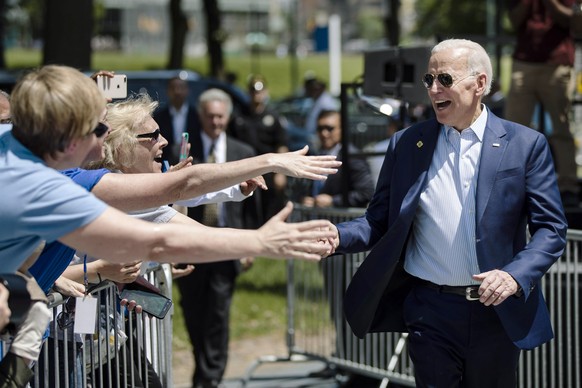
(69, 287)
(181, 272)
(301, 240)
(120, 273)
(297, 164)
(247, 187)
(184, 163)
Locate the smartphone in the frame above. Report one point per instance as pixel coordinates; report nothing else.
(115, 87)
(184, 146)
(152, 303)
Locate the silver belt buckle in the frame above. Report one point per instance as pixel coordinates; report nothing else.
(472, 293)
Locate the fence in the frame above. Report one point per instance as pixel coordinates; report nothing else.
(316, 328)
(127, 348)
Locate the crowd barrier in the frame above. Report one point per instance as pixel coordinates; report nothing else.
(317, 330)
(127, 349)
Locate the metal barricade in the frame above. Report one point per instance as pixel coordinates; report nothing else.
(125, 348)
(317, 330)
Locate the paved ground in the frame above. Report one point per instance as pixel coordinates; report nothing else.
(261, 363)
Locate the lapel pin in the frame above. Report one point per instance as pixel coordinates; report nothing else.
(496, 144)
(419, 144)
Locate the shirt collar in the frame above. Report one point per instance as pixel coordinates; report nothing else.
(478, 126)
(182, 111)
(219, 143)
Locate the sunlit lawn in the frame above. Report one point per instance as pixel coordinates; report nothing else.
(259, 304)
(279, 72)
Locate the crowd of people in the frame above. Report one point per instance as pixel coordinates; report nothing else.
(85, 200)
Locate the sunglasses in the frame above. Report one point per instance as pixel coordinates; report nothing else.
(100, 130)
(152, 135)
(444, 79)
(325, 128)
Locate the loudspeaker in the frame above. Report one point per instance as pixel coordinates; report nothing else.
(397, 72)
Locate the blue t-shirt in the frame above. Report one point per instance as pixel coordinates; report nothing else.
(56, 257)
(38, 203)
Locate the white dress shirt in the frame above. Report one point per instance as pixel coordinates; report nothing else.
(179, 120)
(442, 244)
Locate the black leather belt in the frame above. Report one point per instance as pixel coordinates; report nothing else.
(469, 292)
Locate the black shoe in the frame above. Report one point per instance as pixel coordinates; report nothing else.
(208, 384)
(359, 381)
(326, 373)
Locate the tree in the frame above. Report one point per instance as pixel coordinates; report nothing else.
(68, 32)
(3, 8)
(179, 28)
(451, 18)
(392, 24)
(215, 36)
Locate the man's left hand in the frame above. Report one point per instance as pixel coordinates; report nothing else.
(496, 286)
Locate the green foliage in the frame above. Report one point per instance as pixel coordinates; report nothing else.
(448, 19)
(370, 26)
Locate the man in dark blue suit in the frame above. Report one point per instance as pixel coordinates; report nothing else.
(176, 117)
(451, 263)
(206, 294)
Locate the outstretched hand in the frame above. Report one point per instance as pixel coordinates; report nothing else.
(297, 164)
(302, 240)
(247, 187)
(180, 165)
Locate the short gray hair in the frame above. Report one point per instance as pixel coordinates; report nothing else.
(478, 61)
(215, 94)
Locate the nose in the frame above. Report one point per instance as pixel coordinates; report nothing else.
(162, 141)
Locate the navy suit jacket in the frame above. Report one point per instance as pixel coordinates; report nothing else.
(171, 152)
(516, 189)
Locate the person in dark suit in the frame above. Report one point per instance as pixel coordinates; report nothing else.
(451, 262)
(263, 129)
(206, 294)
(360, 183)
(176, 117)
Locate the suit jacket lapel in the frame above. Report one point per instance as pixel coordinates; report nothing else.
(492, 151)
(425, 140)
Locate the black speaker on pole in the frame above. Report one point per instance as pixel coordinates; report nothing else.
(397, 72)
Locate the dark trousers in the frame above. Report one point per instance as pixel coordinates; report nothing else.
(206, 296)
(457, 343)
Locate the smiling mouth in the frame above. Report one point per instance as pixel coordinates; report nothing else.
(158, 159)
(442, 104)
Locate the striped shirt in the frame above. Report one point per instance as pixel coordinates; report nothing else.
(442, 244)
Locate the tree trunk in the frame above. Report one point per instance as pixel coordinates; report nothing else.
(392, 24)
(215, 35)
(68, 31)
(3, 9)
(179, 26)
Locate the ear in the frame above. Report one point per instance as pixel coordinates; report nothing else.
(481, 84)
(72, 146)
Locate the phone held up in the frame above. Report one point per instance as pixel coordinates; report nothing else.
(115, 87)
(152, 303)
(184, 146)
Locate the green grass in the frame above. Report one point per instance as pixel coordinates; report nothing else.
(259, 303)
(277, 71)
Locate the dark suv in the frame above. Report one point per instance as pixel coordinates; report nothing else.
(155, 81)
